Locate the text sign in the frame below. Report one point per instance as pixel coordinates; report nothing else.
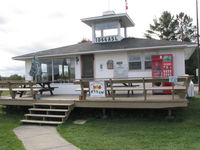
(173, 79)
(97, 89)
(106, 39)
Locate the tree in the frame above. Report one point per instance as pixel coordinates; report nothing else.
(15, 77)
(179, 28)
(163, 28)
(168, 27)
(185, 31)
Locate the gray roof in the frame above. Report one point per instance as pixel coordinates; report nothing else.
(123, 17)
(123, 45)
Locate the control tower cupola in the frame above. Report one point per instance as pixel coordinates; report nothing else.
(109, 26)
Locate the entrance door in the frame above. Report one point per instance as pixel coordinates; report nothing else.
(87, 62)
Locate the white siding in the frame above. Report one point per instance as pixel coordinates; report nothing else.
(103, 58)
(78, 68)
(178, 57)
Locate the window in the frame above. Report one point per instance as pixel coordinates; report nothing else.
(46, 66)
(134, 62)
(147, 62)
(109, 32)
(64, 69)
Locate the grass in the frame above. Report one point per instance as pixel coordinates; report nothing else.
(5, 93)
(8, 140)
(133, 132)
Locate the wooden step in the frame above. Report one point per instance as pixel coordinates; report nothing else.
(52, 110)
(43, 115)
(41, 122)
(52, 104)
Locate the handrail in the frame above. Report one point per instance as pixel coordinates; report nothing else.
(143, 81)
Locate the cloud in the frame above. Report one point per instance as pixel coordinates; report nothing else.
(2, 30)
(23, 49)
(2, 20)
(56, 15)
(10, 70)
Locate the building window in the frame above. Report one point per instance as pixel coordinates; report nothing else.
(134, 62)
(147, 62)
(64, 69)
(46, 67)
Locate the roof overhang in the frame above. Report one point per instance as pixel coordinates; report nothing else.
(123, 18)
(188, 50)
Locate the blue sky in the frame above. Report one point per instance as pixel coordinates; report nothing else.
(32, 25)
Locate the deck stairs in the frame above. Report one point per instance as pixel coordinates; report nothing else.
(48, 113)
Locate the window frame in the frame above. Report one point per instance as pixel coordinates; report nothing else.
(145, 61)
(134, 61)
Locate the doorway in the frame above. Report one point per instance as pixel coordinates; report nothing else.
(87, 65)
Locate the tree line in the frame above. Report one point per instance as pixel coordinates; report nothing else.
(12, 77)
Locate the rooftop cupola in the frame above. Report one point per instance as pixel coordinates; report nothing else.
(108, 27)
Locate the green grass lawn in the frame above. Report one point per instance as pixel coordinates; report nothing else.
(8, 140)
(138, 133)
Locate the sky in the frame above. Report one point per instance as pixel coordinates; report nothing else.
(32, 25)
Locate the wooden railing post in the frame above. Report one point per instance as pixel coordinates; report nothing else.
(31, 89)
(173, 91)
(187, 82)
(144, 90)
(83, 92)
(111, 87)
(12, 94)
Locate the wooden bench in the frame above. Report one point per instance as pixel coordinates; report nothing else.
(18, 87)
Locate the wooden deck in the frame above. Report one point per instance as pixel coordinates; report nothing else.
(134, 97)
(134, 101)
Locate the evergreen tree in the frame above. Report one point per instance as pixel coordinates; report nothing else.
(163, 28)
(185, 31)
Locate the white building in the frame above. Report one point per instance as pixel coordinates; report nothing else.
(111, 53)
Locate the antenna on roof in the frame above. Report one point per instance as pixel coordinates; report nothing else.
(126, 6)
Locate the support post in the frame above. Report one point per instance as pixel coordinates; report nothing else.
(111, 87)
(104, 113)
(198, 52)
(173, 91)
(31, 88)
(169, 113)
(10, 90)
(144, 90)
(82, 90)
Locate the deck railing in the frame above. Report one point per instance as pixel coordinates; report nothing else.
(13, 87)
(179, 88)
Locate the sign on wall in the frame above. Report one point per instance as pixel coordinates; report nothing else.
(97, 89)
(121, 71)
(173, 79)
(105, 39)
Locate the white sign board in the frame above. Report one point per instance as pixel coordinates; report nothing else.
(97, 89)
(121, 71)
(173, 79)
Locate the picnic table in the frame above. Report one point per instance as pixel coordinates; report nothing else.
(22, 87)
(43, 87)
(46, 86)
(15, 88)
